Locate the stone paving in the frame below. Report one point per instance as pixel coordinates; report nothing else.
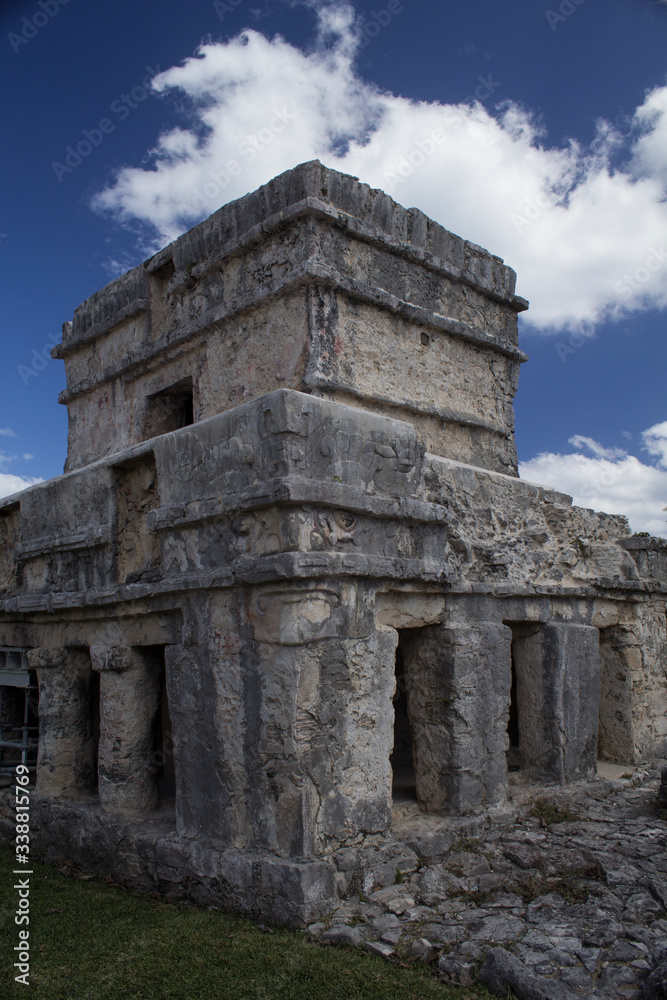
(561, 894)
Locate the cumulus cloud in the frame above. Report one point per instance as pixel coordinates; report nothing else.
(609, 479)
(583, 226)
(10, 483)
(655, 442)
(7, 432)
(579, 441)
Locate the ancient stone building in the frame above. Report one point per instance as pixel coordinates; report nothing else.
(290, 560)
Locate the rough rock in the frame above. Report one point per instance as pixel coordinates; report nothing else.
(502, 972)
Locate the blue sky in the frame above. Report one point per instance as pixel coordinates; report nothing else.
(537, 129)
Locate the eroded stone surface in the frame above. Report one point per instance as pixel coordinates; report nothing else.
(292, 550)
(553, 907)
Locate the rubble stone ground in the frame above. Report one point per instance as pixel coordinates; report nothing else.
(570, 883)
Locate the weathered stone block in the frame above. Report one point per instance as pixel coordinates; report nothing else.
(558, 694)
(65, 763)
(130, 688)
(292, 469)
(458, 681)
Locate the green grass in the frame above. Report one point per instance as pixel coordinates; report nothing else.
(94, 941)
(550, 812)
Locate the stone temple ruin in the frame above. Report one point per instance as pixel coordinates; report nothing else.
(290, 563)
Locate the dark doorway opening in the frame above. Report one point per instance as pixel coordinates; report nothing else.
(19, 714)
(94, 696)
(523, 711)
(162, 757)
(404, 787)
(513, 759)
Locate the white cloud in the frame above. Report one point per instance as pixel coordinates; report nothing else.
(579, 441)
(586, 237)
(7, 432)
(655, 442)
(650, 151)
(12, 484)
(609, 479)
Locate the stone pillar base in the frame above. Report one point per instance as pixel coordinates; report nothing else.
(66, 757)
(458, 684)
(130, 689)
(558, 695)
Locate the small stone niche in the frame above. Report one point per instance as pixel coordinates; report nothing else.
(10, 533)
(170, 409)
(138, 549)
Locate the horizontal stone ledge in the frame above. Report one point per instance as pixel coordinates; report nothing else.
(409, 310)
(137, 307)
(651, 544)
(87, 538)
(134, 364)
(245, 575)
(371, 234)
(363, 231)
(297, 490)
(441, 413)
(284, 566)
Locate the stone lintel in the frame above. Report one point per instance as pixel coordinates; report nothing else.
(118, 658)
(48, 657)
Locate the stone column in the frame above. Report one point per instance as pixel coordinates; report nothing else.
(633, 696)
(283, 719)
(65, 762)
(322, 736)
(558, 695)
(458, 681)
(130, 690)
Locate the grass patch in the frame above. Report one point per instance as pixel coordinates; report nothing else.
(529, 890)
(468, 845)
(473, 897)
(571, 885)
(549, 812)
(91, 940)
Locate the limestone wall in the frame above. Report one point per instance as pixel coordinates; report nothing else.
(313, 282)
